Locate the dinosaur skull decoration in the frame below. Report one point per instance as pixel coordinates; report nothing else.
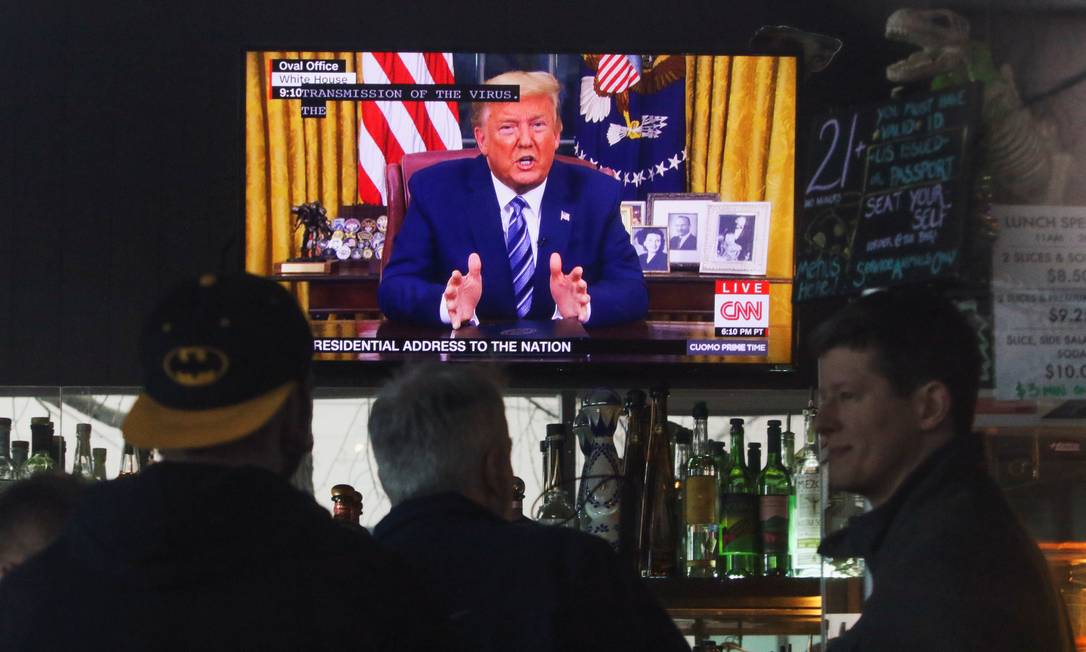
(942, 35)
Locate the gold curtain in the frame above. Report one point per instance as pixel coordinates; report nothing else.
(291, 161)
(740, 135)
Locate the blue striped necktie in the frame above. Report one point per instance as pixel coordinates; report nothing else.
(520, 256)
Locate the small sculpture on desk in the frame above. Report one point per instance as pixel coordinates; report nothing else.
(314, 218)
(601, 478)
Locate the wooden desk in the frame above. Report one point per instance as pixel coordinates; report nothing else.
(352, 290)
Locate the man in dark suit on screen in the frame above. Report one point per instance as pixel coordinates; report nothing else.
(491, 238)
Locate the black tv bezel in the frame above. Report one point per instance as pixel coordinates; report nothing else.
(526, 375)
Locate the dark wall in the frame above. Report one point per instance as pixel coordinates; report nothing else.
(121, 152)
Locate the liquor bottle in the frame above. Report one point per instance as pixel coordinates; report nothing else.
(129, 466)
(82, 466)
(556, 509)
(633, 487)
(343, 503)
(774, 491)
(720, 456)
(59, 452)
(754, 469)
(754, 458)
(738, 514)
(807, 478)
(788, 458)
(701, 501)
(98, 464)
(681, 440)
(20, 452)
(659, 502)
(518, 499)
(599, 499)
(41, 445)
(7, 471)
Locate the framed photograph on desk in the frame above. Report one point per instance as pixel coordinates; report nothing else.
(633, 214)
(735, 238)
(683, 213)
(652, 250)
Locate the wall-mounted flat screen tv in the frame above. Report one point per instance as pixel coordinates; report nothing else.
(548, 207)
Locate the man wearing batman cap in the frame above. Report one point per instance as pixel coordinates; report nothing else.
(213, 549)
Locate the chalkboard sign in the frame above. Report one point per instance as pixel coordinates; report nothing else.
(886, 194)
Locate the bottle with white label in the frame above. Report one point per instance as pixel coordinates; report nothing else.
(807, 477)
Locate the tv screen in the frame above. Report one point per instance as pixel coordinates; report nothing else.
(602, 207)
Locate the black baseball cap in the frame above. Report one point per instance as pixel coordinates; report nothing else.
(220, 356)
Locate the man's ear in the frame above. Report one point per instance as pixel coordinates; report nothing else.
(480, 139)
(297, 435)
(931, 404)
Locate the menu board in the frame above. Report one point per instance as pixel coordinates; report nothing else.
(1039, 292)
(886, 193)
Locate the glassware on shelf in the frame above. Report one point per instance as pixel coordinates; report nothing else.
(82, 464)
(556, 509)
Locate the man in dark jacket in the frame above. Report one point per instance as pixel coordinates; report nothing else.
(443, 455)
(212, 549)
(953, 569)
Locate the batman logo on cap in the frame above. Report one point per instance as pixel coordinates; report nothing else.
(195, 366)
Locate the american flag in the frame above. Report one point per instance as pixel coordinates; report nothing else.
(616, 73)
(390, 129)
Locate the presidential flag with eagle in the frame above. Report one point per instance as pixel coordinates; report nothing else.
(632, 119)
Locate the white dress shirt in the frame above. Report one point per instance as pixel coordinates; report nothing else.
(534, 200)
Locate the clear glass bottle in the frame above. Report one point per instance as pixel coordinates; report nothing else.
(7, 470)
(774, 491)
(98, 468)
(82, 465)
(20, 453)
(738, 514)
(129, 462)
(701, 501)
(41, 445)
(807, 478)
(556, 510)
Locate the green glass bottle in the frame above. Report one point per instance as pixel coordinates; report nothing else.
(82, 465)
(720, 456)
(701, 502)
(774, 490)
(41, 445)
(738, 514)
